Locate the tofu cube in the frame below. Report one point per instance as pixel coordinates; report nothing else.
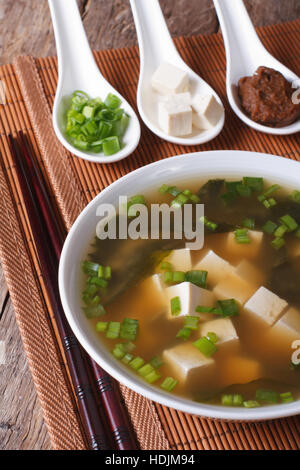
(175, 116)
(216, 267)
(248, 250)
(189, 365)
(207, 111)
(190, 297)
(181, 260)
(168, 79)
(266, 305)
(239, 370)
(289, 324)
(282, 335)
(234, 287)
(250, 273)
(225, 331)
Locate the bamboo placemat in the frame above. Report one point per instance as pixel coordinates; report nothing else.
(30, 85)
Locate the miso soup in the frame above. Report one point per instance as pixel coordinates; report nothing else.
(220, 324)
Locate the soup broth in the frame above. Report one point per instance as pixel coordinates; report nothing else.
(246, 315)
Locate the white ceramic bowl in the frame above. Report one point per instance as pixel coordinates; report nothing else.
(230, 164)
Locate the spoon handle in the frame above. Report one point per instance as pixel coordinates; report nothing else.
(72, 45)
(240, 38)
(155, 42)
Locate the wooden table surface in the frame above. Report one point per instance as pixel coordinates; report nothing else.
(26, 29)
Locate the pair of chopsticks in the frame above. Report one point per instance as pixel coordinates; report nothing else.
(89, 381)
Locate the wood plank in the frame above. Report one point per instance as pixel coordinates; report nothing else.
(265, 12)
(109, 24)
(21, 419)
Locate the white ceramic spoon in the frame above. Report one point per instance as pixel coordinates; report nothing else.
(244, 54)
(78, 71)
(156, 46)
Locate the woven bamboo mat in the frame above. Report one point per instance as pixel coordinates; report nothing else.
(30, 85)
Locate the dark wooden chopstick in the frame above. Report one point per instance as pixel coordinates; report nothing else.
(88, 409)
(106, 386)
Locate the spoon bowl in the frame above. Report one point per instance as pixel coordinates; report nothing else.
(244, 54)
(156, 46)
(79, 71)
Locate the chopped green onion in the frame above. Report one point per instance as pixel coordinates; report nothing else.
(280, 231)
(139, 199)
(91, 301)
(136, 363)
(271, 190)
(286, 397)
(272, 202)
(164, 189)
(113, 330)
(212, 226)
(166, 266)
(127, 358)
(112, 101)
(196, 277)
(249, 223)
(168, 277)
(251, 404)
(227, 400)
(110, 145)
(237, 400)
(101, 326)
(295, 196)
(174, 191)
(178, 276)
(231, 186)
(121, 349)
(256, 184)
(94, 312)
(152, 377)
(232, 400)
(289, 222)
(97, 281)
(145, 370)
(104, 272)
(175, 306)
(105, 128)
(269, 227)
(169, 384)
(205, 346)
(90, 268)
(212, 337)
(243, 190)
(229, 307)
(268, 396)
(179, 201)
(277, 243)
(90, 291)
(156, 362)
(191, 322)
(184, 333)
(241, 236)
(129, 329)
(194, 198)
(90, 122)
